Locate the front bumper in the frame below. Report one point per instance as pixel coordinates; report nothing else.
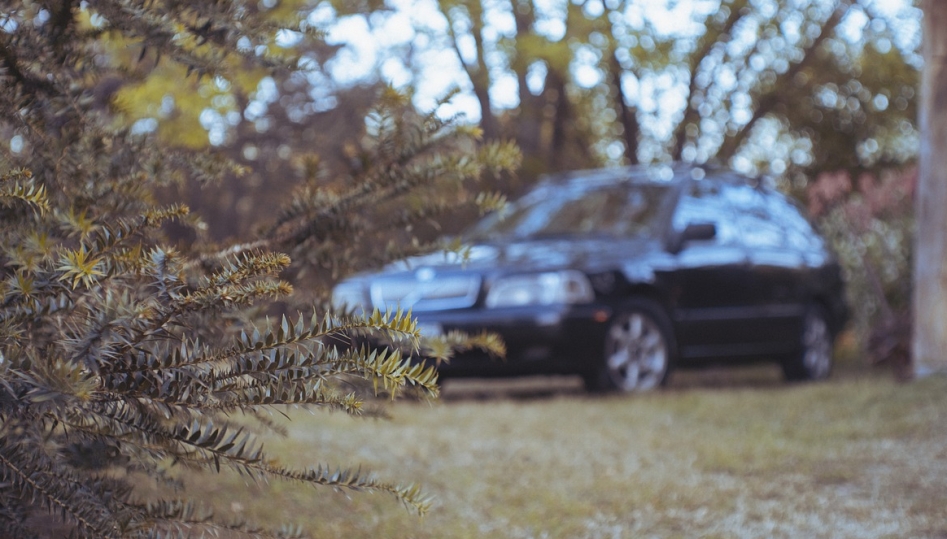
(557, 339)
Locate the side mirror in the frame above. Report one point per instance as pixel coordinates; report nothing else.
(698, 231)
(692, 232)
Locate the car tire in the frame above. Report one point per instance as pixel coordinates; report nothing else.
(813, 360)
(638, 351)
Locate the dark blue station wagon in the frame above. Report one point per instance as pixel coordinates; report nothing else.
(620, 275)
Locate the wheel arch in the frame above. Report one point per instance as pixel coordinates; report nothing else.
(646, 291)
(836, 314)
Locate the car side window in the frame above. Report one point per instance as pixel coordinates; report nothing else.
(769, 220)
(757, 225)
(706, 202)
(799, 232)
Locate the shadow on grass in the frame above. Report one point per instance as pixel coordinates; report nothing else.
(519, 389)
(755, 376)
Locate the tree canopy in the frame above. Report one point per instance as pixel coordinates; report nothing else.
(785, 88)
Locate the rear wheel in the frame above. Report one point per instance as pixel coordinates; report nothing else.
(813, 361)
(638, 350)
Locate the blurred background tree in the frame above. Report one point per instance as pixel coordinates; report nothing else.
(783, 88)
(869, 220)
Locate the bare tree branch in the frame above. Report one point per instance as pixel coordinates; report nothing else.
(768, 101)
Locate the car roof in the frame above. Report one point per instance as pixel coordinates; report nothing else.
(670, 174)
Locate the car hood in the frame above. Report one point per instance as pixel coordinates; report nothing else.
(586, 254)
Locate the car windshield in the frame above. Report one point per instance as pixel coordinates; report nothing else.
(614, 210)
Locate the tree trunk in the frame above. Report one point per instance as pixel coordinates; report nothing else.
(631, 128)
(478, 73)
(930, 266)
(529, 118)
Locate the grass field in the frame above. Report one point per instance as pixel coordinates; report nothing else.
(718, 454)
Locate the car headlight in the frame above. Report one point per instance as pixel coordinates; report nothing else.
(349, 296)
(540, 289)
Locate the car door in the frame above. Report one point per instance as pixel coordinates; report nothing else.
(710, 301)
(778, 265)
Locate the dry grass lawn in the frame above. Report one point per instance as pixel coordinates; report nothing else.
(716, 455)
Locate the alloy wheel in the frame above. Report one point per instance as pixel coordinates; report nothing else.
(636, 352)
(817, 347)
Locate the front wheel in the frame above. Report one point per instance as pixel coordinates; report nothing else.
(813, 361)
(638, 350)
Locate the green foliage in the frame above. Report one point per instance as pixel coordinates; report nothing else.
(122, 359)
(18, 185)
(870, 224)
(110, 348)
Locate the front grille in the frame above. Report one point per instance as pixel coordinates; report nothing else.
(442, 293)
